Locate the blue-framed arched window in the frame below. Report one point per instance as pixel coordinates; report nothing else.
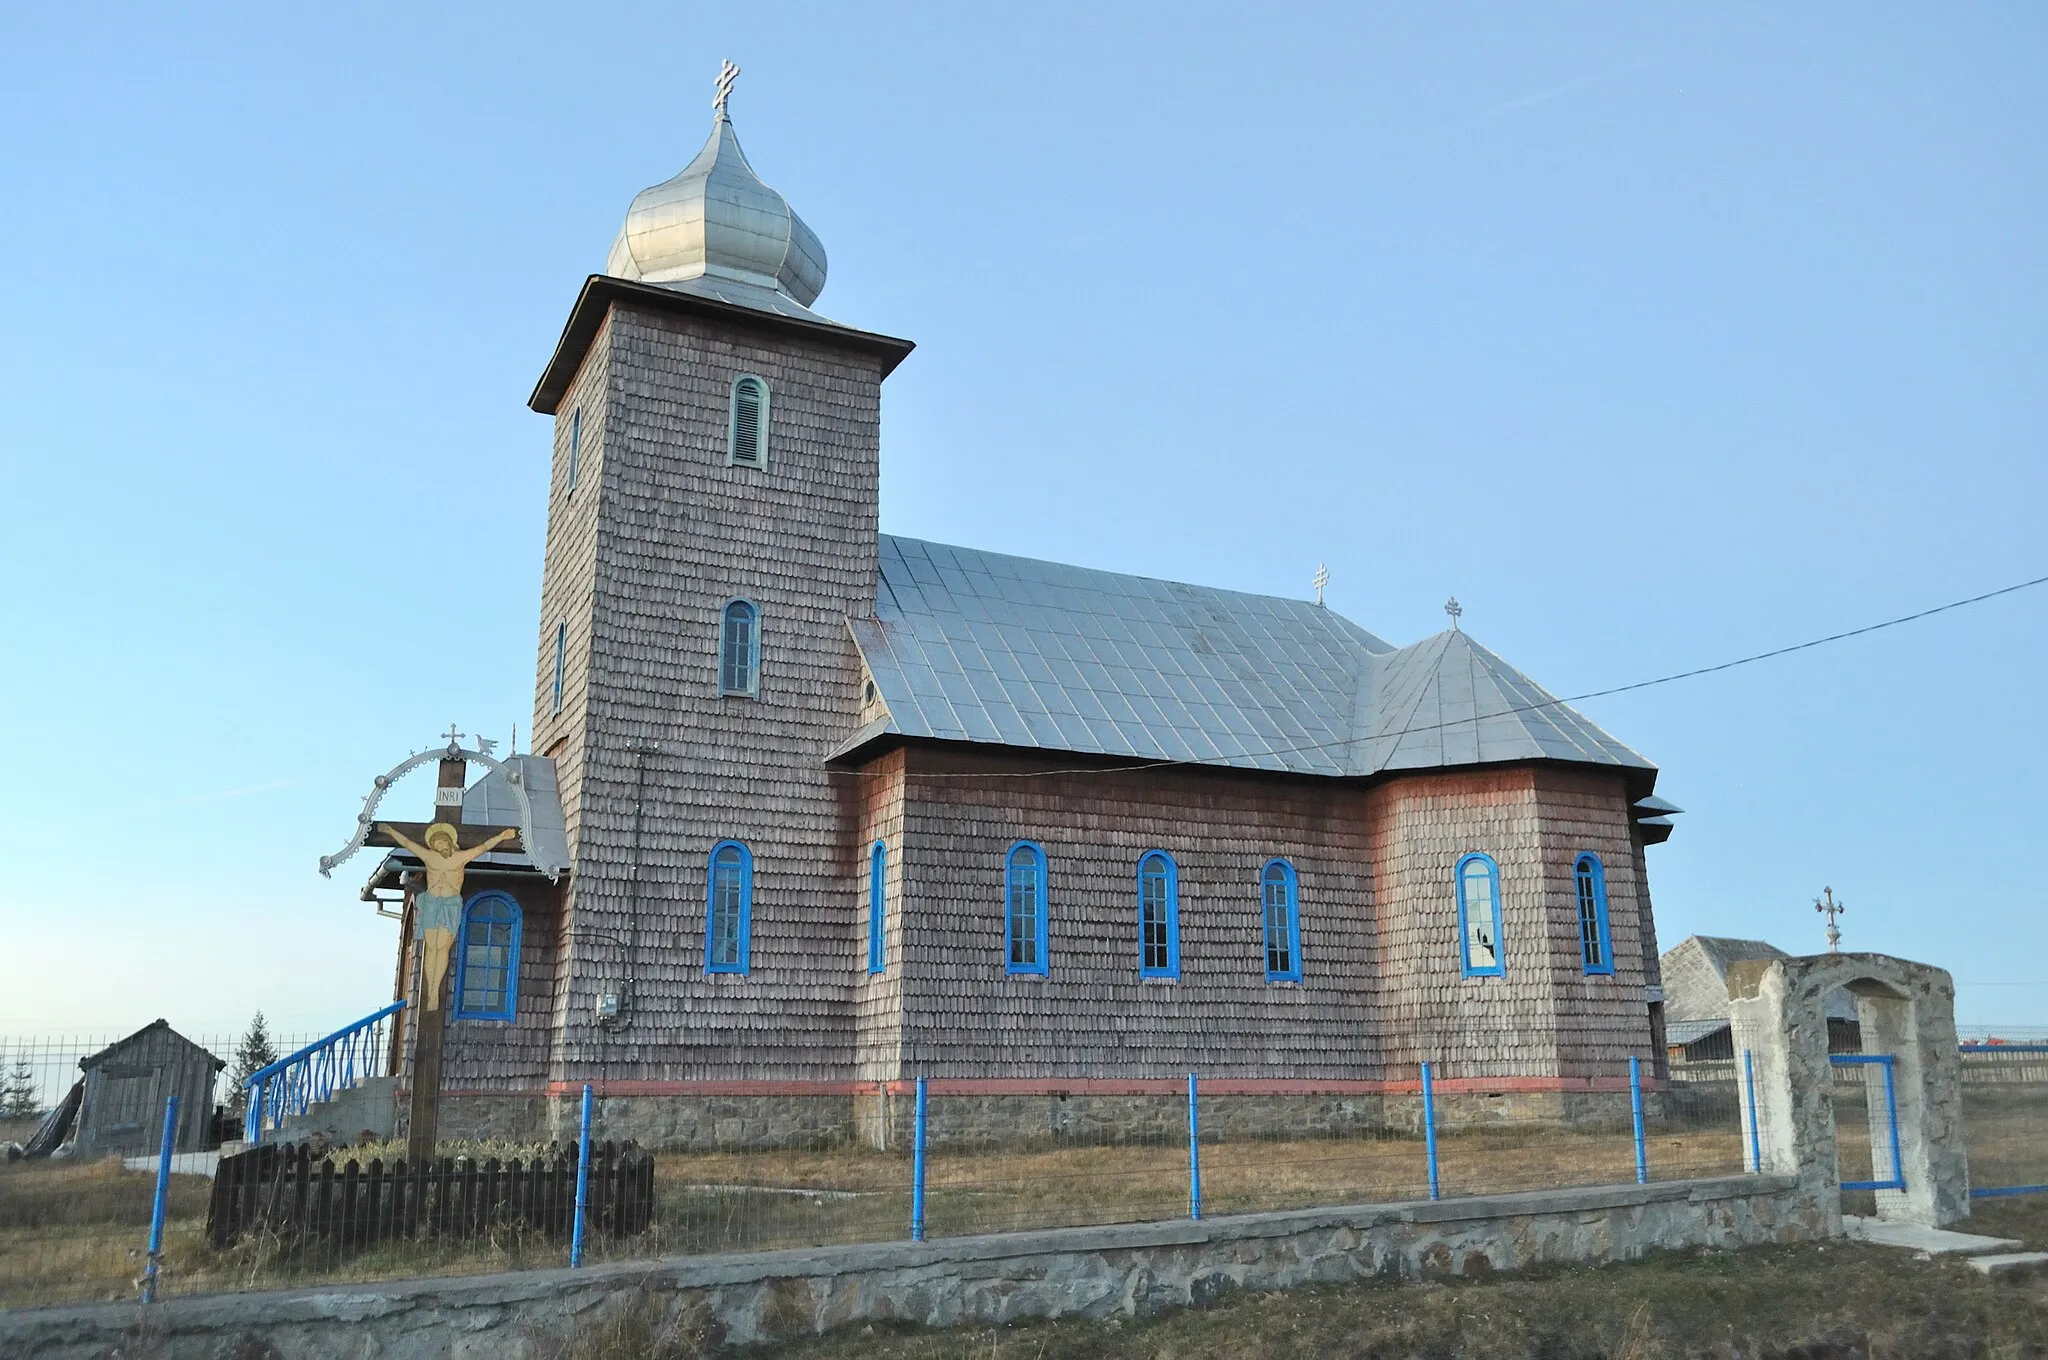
(739, 649)
(747, 428)
(1479, 941)
(1158, 915)
(487, 959)
(729, 909)
(878, 890)
(1024, 908)
(1280, 906)
(1596, 949)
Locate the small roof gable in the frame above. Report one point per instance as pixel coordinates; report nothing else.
(1449, 701)
(982, 647)
(149, 1031)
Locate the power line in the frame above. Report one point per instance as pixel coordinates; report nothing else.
(1506, 712)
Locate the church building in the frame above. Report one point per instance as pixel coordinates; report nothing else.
(843, 809)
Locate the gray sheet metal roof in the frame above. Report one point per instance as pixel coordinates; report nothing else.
(983, 647)
(1691, 1031)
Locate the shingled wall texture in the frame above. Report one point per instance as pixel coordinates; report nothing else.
(1545, 1018)
(678, 535)
(1092, 1015)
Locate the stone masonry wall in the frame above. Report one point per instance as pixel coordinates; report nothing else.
(1088, 1272)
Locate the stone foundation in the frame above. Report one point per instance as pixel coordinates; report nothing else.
(1091, 1272)
(753, 1123)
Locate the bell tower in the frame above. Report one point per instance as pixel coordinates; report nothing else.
(716, 466)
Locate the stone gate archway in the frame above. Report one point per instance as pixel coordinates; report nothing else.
(1906, 1009)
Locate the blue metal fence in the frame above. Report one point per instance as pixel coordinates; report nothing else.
(314, 1073)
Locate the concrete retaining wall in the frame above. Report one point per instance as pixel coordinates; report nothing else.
(1093, 1272)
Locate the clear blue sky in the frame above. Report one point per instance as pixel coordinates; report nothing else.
(1657, 335)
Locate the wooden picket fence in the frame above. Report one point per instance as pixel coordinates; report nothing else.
(282, 1191)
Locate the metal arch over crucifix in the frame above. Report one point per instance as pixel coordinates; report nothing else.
(727, 72)
(446, 846)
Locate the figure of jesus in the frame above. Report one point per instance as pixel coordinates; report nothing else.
(440, 906)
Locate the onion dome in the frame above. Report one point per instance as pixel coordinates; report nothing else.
(717, 229)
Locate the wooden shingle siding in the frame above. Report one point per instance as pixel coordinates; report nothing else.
(1092, 1015)
(1544, 1017)
(677, 534)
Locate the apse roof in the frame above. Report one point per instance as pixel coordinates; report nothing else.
(982, 647)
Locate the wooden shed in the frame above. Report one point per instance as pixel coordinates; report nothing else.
(126, 1085)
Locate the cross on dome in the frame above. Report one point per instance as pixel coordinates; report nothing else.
(726, 74)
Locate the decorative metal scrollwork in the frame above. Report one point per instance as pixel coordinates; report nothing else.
(383, 782)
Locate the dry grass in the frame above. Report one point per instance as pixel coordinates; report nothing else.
(70, 1232)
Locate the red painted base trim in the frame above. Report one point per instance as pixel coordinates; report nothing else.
(1088, 1086)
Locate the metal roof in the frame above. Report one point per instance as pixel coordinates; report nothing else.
(1692, 1031)
(983, 647)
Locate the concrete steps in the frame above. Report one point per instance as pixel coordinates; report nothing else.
(1986, 1255)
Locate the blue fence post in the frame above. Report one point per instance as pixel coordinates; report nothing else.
(163, 1193)
(1429, 1131)
(582, 1182)
(917, 1140)
(1635, 1106)
(1756, 1145)
(1891, 1108)
(1194, 1154)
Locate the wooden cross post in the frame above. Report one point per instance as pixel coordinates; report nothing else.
(445, 846)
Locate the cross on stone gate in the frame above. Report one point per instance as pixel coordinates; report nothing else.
(1831, 909)
(445, 846)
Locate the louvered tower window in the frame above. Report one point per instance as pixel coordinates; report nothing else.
(1158, 916)
(739, 650)
(747, 434)
(1595, 948)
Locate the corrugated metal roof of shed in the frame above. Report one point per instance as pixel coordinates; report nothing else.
(984, 647)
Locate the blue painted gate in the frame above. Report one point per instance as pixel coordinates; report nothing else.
(1886, 1169)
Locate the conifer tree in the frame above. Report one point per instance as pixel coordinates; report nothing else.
(18, 1096)
(252, 1055)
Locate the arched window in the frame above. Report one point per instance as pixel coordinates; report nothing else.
(747, 432)
(487, 959)
(1282, 912)
(729, 909)
(1595, 948)
(1479, 916)
(878, 887)
(739, 650)
(1024, 907)
(1158, 916)
(561, 662)
(575, 445)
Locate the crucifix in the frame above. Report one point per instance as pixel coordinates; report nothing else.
(726, 72)
(445, 846)
(1831, 909)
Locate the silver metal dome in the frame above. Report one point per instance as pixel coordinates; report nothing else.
(717, 229)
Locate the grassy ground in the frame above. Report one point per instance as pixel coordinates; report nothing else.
(76, 1232)
(1830, 1301)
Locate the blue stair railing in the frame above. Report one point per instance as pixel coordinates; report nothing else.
(296, 1082)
